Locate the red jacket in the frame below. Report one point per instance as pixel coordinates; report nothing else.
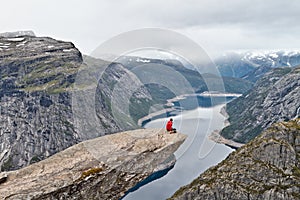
(169, 125)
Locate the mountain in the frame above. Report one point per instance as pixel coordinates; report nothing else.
(195, 79)
(101, 168)
(151, 82)
(165, 79)
(35, 103)
(52, 97)
(252, 65)
(275, 97)
(266, 168)
(38, 94)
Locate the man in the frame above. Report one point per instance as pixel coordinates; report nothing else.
(169, 126)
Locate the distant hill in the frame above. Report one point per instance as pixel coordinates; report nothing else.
(275, 97)
(252, 65)
(160, 93)
(231, 84)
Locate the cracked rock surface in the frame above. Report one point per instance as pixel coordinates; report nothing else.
(101, 168)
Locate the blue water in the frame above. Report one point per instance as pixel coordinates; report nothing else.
(196, 154)
(190, 103)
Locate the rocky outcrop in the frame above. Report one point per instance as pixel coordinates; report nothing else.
(36, 117)
(102, 168)
(36, 91)
(17, 34)
(266, 168)
(274, 98)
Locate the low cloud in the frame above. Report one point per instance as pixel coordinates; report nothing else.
(217, 25)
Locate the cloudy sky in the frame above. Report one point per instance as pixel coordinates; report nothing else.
(216, 25)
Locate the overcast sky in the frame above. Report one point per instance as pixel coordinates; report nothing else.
(216, 25)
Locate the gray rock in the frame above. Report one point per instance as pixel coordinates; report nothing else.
(274, 98)
(37, 97)
(102, 168)
(36, 116)
(266, 168)
(17, 34)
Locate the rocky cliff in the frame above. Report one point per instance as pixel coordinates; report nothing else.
(36, 117)
(102, 168)
(52, 97)
(36, 91)
(266, 168)
(17, 34)
(275, 97)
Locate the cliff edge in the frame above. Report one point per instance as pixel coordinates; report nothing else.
(101, 168)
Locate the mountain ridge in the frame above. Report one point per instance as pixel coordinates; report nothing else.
(36, 87)
(274, 98)
(251, 65)
(265, 168)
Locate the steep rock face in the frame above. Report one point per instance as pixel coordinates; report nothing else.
(275, 97)
(36, 91)
(266, 168)
(102, 168)
(36, 117)
(117, 87)
(33, 127)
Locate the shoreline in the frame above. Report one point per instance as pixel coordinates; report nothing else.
(180, 97)
(218, 138)
(154, 114)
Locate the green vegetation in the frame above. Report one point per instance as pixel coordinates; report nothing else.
(248, 114)
(139, 107)
(35, 159)
(89, 172)
(45, 77)
(7, 165)
(296, 171)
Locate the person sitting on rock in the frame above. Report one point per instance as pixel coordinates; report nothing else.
(169, 126)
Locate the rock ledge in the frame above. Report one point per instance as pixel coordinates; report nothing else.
(101, 168)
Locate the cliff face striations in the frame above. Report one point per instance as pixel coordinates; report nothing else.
(274, 98)
(36, 118)
(102, 168)
(266, 168)
(36, 107)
